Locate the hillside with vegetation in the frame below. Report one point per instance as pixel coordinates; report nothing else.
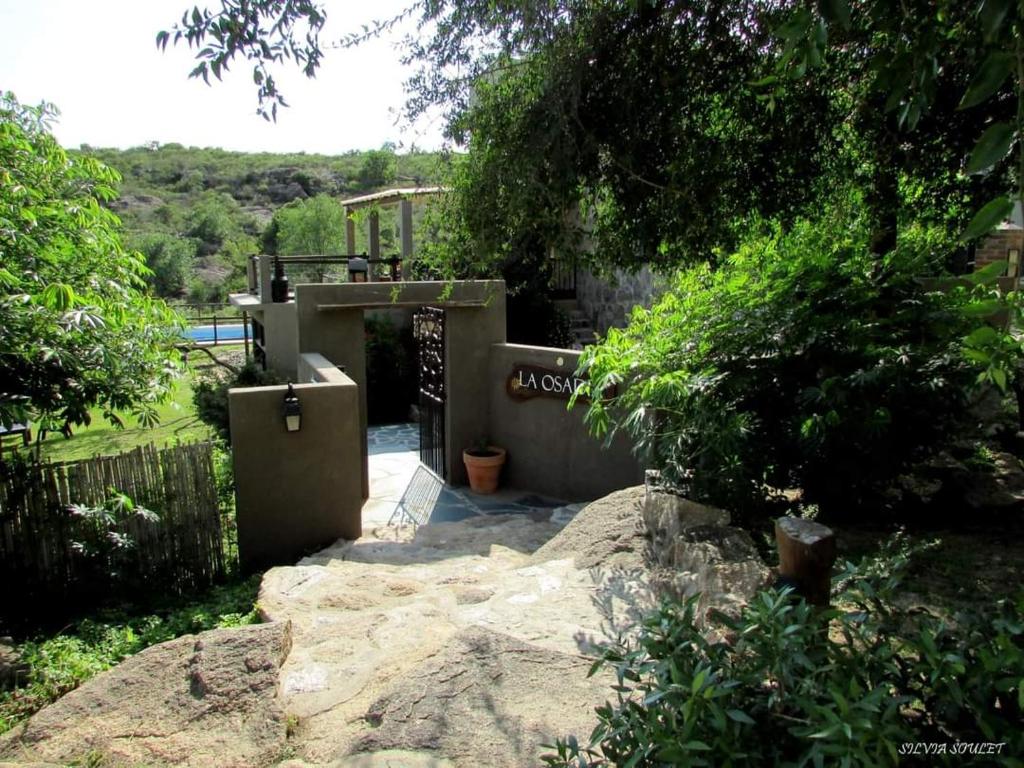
(196, 214)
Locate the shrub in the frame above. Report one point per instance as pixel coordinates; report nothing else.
(210, 395)
(102, 541)
(856, 685)
(803, 361)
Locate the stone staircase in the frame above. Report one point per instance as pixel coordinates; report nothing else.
(583, 333)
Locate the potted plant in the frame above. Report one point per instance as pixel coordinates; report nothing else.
(483, 465)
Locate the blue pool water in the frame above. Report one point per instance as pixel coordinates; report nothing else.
(224, 332)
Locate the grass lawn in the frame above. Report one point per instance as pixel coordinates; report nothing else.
(178, 424)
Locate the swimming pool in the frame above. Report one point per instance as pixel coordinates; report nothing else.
(204, 333)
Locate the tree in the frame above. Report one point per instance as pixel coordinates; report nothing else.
(169, 259)
(314, 226)
(379, 167)
(77, 328)
(668, 121)
(215, 219)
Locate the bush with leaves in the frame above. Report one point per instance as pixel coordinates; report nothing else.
(103, 540)
(210, 395)
(803, 361)
(77, 328)
(854, 685)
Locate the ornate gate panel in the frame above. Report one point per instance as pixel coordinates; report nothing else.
(428, 329)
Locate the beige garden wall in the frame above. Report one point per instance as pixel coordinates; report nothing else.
(549, 449)
(331, 322)
(296, 492)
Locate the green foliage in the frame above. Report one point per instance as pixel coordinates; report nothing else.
(169, 259)
(219, 37)
(217, 204)
(802, 362)
(948, 74)
(668, 123)
(792, 685)
(62, 662)
(311, 227)
(103, 542)
(210, 395)
(379, 167)
(78, 327)
(215, 220)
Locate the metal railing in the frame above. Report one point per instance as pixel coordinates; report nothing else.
(221, 315)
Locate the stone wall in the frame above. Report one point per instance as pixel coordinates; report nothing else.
(607, 302)
(996, 246)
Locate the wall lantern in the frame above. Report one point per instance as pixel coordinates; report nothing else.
(292, 410)
(358, 270)
(1013, 262)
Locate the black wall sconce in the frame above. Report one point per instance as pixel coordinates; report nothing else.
(292, 410)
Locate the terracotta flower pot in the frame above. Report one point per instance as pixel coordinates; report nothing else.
(484, 468)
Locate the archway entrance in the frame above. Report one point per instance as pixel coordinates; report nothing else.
(330, 322)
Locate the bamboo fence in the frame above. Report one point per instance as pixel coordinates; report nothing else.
(41, 537)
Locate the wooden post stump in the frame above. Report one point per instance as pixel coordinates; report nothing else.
(807, 551)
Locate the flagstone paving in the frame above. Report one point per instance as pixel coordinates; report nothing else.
(393, 459)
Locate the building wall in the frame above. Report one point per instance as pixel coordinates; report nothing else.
(330, 320)
(608, 302)
(296, 492)
(281, 331)
(996, 246)
(549, 448)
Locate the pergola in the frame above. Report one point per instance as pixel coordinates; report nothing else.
(403, 198)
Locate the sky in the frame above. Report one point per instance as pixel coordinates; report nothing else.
(97, 61)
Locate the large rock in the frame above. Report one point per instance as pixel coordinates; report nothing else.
(200, 700)
(606, 533)
(486, 699)
(462, 644)
(700, 552)
(1002, 488)
(12, 668)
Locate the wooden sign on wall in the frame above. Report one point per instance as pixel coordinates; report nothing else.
(528, 381)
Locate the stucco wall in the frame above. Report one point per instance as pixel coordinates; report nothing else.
(549, 449)
(607, 302)
(282, 339)
(296, 492)
(330, 320)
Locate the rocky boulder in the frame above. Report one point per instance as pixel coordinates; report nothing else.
(12, 668)
(476, 702)
(699, 552)
(606, 533)
(200, 700)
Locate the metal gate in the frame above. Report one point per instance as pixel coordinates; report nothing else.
(428, 329)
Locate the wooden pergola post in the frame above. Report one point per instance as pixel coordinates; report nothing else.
(350, 233)
(374, 235)
(405, 228)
